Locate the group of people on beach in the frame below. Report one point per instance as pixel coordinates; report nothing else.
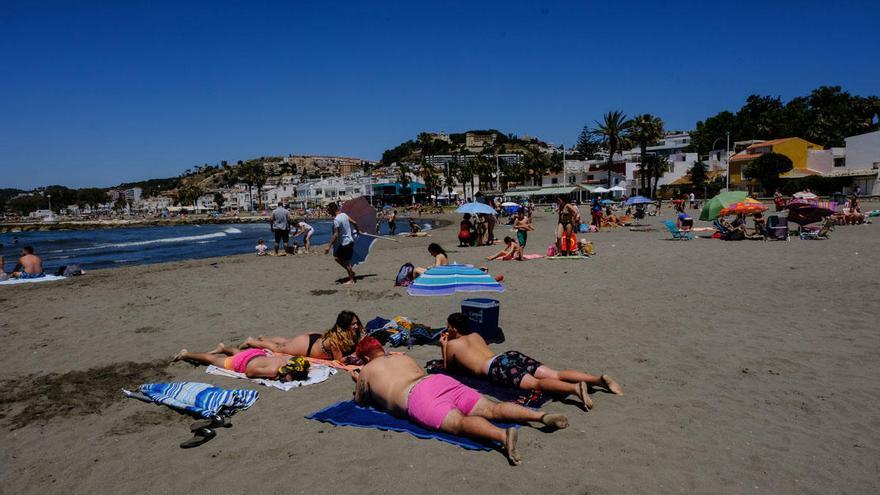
(397, 384)
(281, 222)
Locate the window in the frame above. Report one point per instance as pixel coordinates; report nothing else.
(554, 180)
(840, 162)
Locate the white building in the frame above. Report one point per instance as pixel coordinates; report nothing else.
(860, 160)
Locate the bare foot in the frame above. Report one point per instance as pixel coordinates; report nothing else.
(350, 282)
(557, 421)
(180, 355)
(219, 349)
(247, 343)
(584, 396)
(510, 437)
(611, 385)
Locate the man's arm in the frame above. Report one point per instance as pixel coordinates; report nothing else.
(332, 239)
(361, 392)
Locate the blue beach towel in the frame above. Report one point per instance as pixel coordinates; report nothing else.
(199, 398)
(348, 413)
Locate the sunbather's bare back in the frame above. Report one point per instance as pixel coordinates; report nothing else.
(388, 380)
(469, 352)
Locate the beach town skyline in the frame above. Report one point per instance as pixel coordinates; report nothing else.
(114, 108)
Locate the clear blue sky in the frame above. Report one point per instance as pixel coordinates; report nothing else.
(100, 92)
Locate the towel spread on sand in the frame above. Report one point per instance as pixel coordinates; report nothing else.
(200, 398)
(528, 398)
(348, 413)
(47, 278)
(317, 374)
(527, 256)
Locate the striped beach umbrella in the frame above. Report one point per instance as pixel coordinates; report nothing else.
(448, 279)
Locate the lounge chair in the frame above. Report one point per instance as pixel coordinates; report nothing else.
(820, 233)
(777, 228)
(676, 232)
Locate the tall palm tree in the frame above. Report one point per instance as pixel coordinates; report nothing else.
(645, 129)
(612, 133)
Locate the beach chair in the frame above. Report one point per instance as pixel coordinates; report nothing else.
(722, 230)
(820, 233)
(777, 228)
(676, 233)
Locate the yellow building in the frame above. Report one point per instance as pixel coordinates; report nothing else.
(796, 149)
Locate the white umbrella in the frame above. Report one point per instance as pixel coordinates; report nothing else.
(508, 204)
(600, 190)
(805, 195)
(617, 188)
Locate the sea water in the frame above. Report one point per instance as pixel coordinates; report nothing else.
(107, 248)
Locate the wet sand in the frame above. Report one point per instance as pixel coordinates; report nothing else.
(747, 366)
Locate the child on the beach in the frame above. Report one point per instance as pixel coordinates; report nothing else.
(262, 249)
(511, 248)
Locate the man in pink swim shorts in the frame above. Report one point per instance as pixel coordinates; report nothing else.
(397, 384)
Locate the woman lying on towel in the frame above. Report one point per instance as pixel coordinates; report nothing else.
(254, 363)
(334, 344)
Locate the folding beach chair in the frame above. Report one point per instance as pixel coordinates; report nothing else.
(676, 233)
(777, 228)
(820, 233)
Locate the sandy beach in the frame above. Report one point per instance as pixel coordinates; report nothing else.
(749, 367)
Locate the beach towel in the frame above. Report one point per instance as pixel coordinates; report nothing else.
(533, 256)
(199, 398)
(47, 278)
(317, 374)
(348, 413)
(528, 398)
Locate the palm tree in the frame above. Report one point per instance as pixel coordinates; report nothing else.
(612, 132)
(645, 129)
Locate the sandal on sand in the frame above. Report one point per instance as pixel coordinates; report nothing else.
(217, 422)
(201, 436)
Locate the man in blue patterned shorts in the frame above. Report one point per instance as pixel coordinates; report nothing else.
(466, 351)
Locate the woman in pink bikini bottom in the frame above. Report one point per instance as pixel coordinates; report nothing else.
(254, 363)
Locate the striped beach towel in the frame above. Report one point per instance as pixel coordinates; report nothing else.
(199, 398)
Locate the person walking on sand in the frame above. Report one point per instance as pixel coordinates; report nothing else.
(342, 240)
(469, 352)
(280, 221)
(392, 222)
(522, 225)
(397, 384)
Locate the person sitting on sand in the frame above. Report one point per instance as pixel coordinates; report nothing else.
(468, 351)
(305, 230)
(683, 221)
(465, 233)
(414, 228)
(397, 384)
(261, 248)
(760, 224)
(29, 265)
(511, 249)
(3, 274)
(522, 225)
(334, 344)
(254, 363)
(440, 259)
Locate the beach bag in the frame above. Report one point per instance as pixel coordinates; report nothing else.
(404, 275)
(551, 250)
(583, 229)
(569, 242)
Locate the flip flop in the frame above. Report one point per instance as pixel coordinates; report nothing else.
(200, 437)
(217, 422)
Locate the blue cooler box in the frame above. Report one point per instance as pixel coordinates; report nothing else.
(483, 315)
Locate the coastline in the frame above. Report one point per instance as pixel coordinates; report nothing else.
(773, 389)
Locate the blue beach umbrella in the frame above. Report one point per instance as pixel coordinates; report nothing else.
(638, 200)
(475, 209)
(448, 279)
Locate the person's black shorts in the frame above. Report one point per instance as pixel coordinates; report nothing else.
(344, 252)
(282, 235)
